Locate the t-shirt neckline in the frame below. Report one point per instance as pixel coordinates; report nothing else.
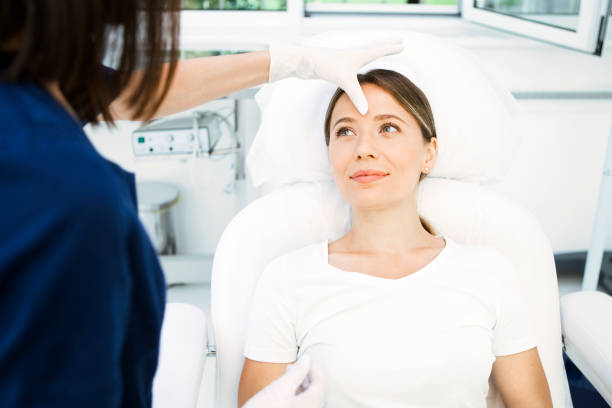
(390, 281)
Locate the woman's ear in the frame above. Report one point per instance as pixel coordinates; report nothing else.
(431, 152)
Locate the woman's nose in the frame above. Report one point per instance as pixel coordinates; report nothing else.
(365, 147)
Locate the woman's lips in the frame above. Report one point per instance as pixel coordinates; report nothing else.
(368, 179)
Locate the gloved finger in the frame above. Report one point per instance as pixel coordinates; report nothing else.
(316, 373)
(355, 93)
(390, 44)
(314, 396)
(379, 49)
(295, 375)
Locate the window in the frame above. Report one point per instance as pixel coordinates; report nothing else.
(268, 5)
(561, 14)
(189, 54)
(579, 24)
(199, 15)
(383, 6)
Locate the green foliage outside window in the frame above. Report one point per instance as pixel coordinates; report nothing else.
(189, 54)
(426, 2)
(278, 5)
(268, 5)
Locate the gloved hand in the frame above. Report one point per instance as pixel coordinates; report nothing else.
(338, 66)
(282, 392)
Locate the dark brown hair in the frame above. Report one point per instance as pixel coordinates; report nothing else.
(407, 94)
(67, 41)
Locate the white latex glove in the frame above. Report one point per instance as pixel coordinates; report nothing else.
(339, 66)
(282, 392)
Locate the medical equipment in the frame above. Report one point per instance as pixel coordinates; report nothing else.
(156, 209)
(197, 135)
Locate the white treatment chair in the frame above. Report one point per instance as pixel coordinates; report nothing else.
(181, 358)
(587, 337)
(302, 214)
(302, 205)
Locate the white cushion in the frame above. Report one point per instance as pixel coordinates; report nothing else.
(474, 115)
(586, 319)
(181, 357)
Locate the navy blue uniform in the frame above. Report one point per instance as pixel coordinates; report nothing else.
(82, 293)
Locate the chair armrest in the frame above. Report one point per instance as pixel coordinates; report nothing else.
(182, 356)
(586, 324)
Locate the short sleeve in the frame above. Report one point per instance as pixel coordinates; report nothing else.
(513, 331)
(271, 326)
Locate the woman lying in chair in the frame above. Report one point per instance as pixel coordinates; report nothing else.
(395, 315)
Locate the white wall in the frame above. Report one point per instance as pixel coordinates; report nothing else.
(557, 171)
(558, 167)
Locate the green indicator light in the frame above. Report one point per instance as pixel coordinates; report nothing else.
(141, 140)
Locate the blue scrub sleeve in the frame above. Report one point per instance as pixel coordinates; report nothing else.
(81, 293)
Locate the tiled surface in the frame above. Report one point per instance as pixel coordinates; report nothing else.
(199, 295)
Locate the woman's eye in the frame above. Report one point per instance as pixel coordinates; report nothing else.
(388, 127)
(343, 132)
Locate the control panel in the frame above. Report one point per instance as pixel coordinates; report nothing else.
(167, 141)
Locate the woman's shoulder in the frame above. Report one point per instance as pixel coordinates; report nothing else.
(27, 105)
(297, 260)
(73, 182)
(476, 251)
(488, 259)
(301, 254)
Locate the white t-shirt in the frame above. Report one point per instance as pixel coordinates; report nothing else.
(428, 339)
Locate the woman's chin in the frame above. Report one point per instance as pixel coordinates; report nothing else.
(377, 202)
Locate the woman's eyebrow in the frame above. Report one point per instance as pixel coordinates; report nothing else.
(345, 119)
(389, 116)
(377, 117)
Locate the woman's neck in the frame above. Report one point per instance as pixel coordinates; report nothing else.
(392, 230)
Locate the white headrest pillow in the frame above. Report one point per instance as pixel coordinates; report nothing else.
(474, 115)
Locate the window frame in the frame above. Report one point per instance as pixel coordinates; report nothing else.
(194, 21)
(588, 37)
(375, 8)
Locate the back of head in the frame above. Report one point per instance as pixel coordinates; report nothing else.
(66, 41)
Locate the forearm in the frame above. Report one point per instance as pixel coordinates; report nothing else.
(201, 80)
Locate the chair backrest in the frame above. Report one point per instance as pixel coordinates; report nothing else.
(181, 357)
(297, 215)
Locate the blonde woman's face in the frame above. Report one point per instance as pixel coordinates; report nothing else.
(387, 140)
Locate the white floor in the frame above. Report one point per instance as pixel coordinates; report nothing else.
(199, 295)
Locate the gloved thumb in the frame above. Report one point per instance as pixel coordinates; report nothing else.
(355, 93)
(296, 373)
